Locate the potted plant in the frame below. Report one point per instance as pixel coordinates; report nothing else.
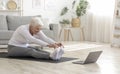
(80, 11)
(65, 23)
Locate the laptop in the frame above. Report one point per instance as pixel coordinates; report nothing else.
(91, 58)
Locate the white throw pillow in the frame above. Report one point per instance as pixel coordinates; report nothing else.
(46, 23)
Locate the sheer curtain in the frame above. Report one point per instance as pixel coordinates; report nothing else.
(99, 20)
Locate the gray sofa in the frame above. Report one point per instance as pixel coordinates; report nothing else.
(8, 25)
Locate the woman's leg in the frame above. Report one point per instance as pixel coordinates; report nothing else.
(37, 53)
(57, 53)
(15, 51)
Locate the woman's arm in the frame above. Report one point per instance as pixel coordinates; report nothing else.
(43, 37)
(26, 34)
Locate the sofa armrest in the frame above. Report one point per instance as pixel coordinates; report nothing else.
(55, 28)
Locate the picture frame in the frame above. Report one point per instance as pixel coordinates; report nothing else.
(50, 5)
(36, 4)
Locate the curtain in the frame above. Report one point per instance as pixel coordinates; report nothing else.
(99, 20)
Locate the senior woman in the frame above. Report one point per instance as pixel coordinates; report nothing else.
(18, 45)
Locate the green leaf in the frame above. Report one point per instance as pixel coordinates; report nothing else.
(81, 8)
(64, 11)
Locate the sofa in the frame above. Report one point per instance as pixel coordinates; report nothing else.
(8, 25)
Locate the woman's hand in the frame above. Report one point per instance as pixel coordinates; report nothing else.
(53, 46)
(59, 44)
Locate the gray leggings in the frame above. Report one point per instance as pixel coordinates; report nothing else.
(16, 51)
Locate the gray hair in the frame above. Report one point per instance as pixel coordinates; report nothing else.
(36, 21)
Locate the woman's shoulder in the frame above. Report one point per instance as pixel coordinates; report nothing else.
(23, 27)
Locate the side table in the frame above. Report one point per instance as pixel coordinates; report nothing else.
(67, 32)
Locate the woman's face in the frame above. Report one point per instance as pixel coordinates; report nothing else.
(35, 29)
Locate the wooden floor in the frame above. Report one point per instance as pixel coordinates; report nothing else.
(108, 63)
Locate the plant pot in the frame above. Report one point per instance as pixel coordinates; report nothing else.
(75, 22)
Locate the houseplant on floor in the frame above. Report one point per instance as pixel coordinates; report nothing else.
(80, 11)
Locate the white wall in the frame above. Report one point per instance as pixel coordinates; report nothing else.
(50, 9)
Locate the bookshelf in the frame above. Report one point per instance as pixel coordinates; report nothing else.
(11, 7)
(116, 29)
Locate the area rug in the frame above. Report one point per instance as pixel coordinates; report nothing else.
(81, 46)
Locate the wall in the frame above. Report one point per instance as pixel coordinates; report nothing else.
(48, 8)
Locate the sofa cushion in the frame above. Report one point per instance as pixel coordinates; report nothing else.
(3, 23)
(3, 42)
(4, 34)
(49, 33)
(16, 21)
